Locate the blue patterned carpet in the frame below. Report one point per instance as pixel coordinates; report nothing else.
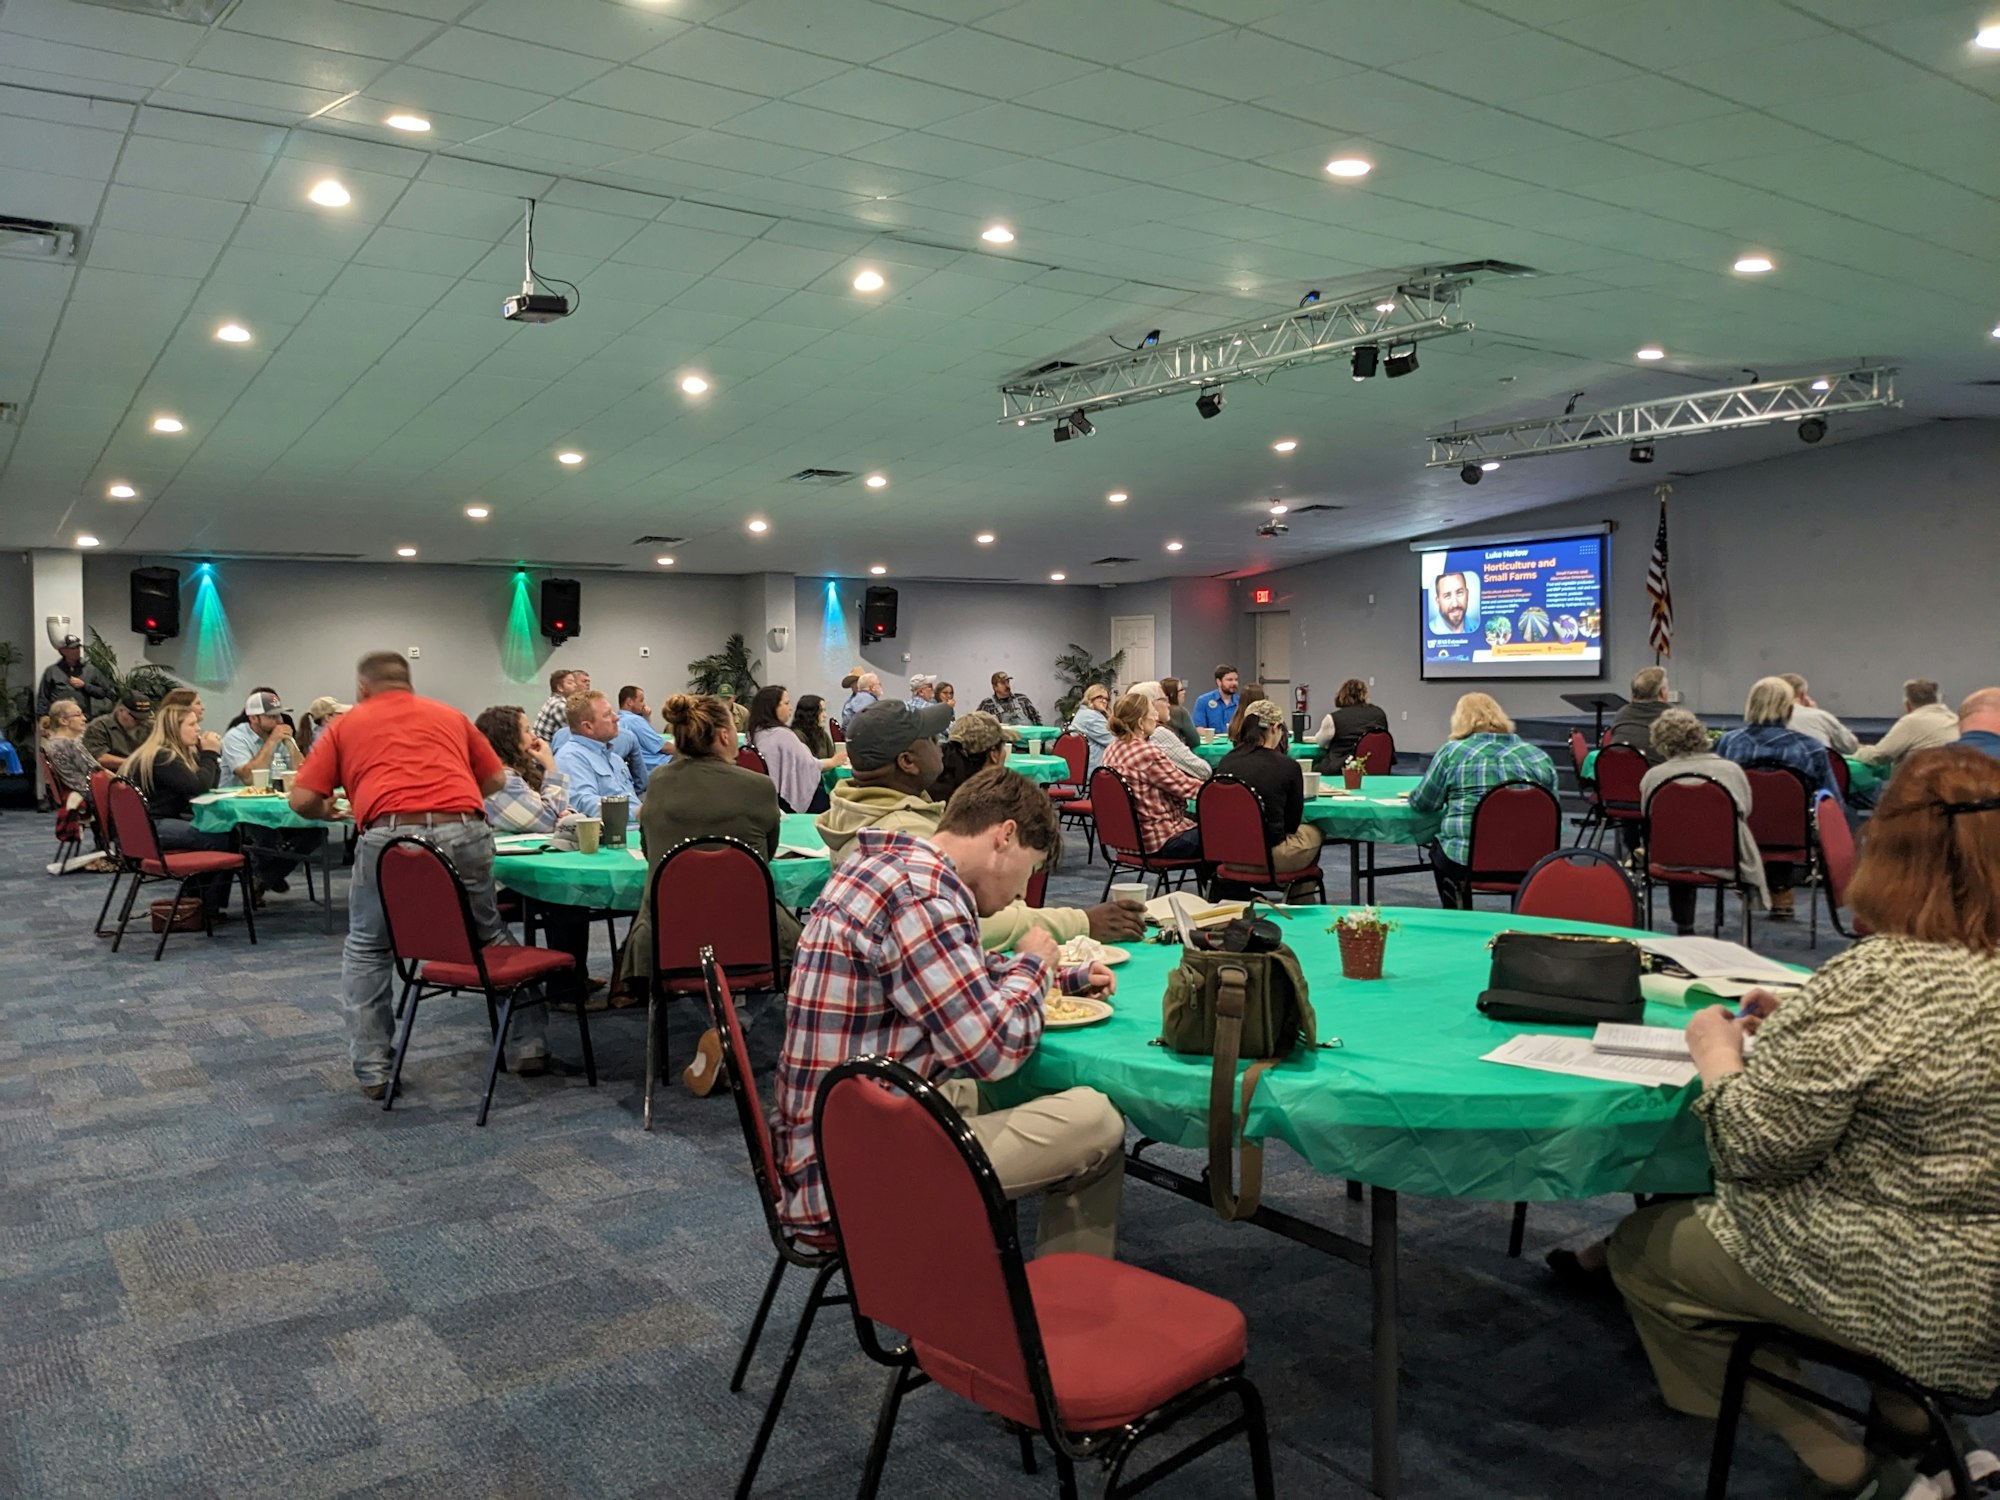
(224, 1273)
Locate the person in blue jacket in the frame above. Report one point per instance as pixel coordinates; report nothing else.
(1215, 710)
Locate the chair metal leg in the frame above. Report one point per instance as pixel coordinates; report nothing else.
(493, 1067)
(167, 928)
(408, 1011)
(651, 1061)
(1724, 1452)
(403, 1000)
(1518, 1231)
(1065, 1476)
(786, 1371)
(757, 1323)
(1028, 1465)
(249, 914)
(885, 1429)
(1259, 1437)
(1353, 1190)
(117, 875)
(125, 912)
(583, 1031)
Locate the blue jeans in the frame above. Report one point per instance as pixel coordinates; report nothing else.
(368, 968)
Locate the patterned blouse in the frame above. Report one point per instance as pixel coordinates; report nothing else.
(1857, 1157)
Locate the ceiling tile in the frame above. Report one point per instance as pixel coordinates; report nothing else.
(609, 127)
(597, 28)
(28, 60)
(179, 167)
(99, 28)
(363, 30)
(678, 247)
(982, 64)
(933, 155)
(1110, 34)
(869, 94)
(1831, 66)
(855, 31)
(1383, 36)
(813, 130)
(247, 56)
(748, 64)
(1718, 139)
(500, 60)
(1520, 65)
(428, 89)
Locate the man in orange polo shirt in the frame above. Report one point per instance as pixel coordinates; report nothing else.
(410, 765)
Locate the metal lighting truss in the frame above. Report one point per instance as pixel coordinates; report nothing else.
(1400, 314)
(1675, 416)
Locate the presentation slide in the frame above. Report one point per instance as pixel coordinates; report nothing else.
(1529, 608)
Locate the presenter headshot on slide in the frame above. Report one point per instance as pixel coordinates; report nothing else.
(1451, 598)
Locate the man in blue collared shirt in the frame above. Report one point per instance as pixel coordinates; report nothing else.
(1215, 710)
(594, 768)
(636, 720)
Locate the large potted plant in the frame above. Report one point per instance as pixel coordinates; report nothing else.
(148, 678)
(732, 666)
(1080, 669)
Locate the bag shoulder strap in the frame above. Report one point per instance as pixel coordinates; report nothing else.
(1232, 989)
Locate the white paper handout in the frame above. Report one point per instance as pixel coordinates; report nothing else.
(1575, 1055)
(1715, 958)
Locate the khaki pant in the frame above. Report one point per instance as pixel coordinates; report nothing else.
(1070, 1146)
(1298, 850)
(1688, 1297)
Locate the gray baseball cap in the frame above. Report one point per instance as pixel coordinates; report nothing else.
(881, 733)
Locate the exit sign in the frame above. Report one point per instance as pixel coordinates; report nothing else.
(1260, 596)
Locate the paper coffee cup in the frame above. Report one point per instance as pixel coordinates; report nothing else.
(587, 833)
(1133, 891)
(1312, 783)
(1206, 734)
(260, 779)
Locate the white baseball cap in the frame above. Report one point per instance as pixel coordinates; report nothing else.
(262, 703)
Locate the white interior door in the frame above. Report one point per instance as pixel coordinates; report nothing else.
(1133, 634)
(1274, 653)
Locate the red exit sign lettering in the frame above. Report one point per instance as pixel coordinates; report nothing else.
(1260, 596)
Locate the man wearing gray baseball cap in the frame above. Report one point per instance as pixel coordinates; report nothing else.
(894, 751)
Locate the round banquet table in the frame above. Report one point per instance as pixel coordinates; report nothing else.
(228, 811)
(1036, 735)
(1378, 813)
(1405, 1102)
(1215, 749)
(1043, 770)
(1862, 778)
(615, 879)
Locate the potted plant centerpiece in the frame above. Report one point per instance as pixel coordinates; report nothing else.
(1352, 770)
(1363, 933)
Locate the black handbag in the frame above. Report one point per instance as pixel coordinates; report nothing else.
(1567, 978)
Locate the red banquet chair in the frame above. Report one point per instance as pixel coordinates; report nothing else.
(1619, 770)
(712, 894)
(807, 1251)
(1691, 823)
(1843, 778)
(1037, 894)
(1094, 1355)
(1781, 821)
(1513, 826)
(1378, 750)
(750, 760)
(1071, 797)
(69, 821)
(100, 814)
(1579, 885)
(437, 951)
(1231, 817)
(1118, 835)
(1836, 861)
(139, 847)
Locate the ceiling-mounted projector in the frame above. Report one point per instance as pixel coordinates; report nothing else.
(534, 304)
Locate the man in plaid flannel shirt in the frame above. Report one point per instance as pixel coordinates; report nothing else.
(890, 962)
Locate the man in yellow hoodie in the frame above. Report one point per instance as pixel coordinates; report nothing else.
(894, 751)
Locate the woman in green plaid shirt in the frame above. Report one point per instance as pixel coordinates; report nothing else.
(1483, 751)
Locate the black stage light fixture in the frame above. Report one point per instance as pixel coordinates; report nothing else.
(1208, 403)
(1309, 298)
(1081, 425)
(1150, 339)
(1400, 364)
(1365, 358)
(1642, 453)
(1471, 474)
(1063, 433)
(1812, 429)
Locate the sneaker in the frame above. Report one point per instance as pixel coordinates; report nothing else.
(1781, 906)
(702, 1075)
(375, 1090)
(531, 1067)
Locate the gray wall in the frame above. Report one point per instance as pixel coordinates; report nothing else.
(1853, 565)
(17, 623)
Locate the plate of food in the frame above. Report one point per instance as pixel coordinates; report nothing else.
(1087, 950)
(260, 791)
(1062, 1012)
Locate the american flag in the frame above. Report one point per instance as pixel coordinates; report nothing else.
(1659, 590)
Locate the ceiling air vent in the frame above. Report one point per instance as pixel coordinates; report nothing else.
(822, 476)
(658, 541)
(1112, 562)
(201, 12)
(37, 239)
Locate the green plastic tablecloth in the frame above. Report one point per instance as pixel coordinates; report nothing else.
(615, 879)
(222, 812)
(1404, 1103)
(1218, 747)
(1036, 734)
(1043, 770)
(1861, 777)
(1376, 814)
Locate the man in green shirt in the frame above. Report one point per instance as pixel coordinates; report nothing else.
(109, 738)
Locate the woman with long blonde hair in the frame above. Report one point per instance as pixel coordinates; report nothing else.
(177, 763)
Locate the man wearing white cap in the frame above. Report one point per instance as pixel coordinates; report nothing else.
(923, 691)
(264, 742)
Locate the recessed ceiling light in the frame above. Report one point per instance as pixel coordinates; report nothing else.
(477, 512)
(1490, 465)
(1753, 265)
(868, 281)
(665, 562)
(876, 481)
(760, 527)
(1989, 38)
(1173, 546)
(122, 492)
(1651, 351)
(415, 124)
(570, 456)
(85, 539)
(694, 385)
(998, 234)
(1057, 577)
(1996, 330)
(878, 570)
(985, 539)
(233, 333)
(1349, 166)
(1827, 385)
(1278, 507)
(168, 424)
(1286, 446)
(1020, 421)
(1385, 307)
(1117, 497)
(329, 194)
(406, 552)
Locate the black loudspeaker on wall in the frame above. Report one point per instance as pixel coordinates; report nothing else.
(156, 603)
(878, 613)
(562, 609)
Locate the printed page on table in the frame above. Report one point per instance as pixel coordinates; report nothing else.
(1717, 958)
(1576, 1056)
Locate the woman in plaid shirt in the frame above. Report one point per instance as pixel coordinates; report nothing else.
(1160, 789)
(1483, 751)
